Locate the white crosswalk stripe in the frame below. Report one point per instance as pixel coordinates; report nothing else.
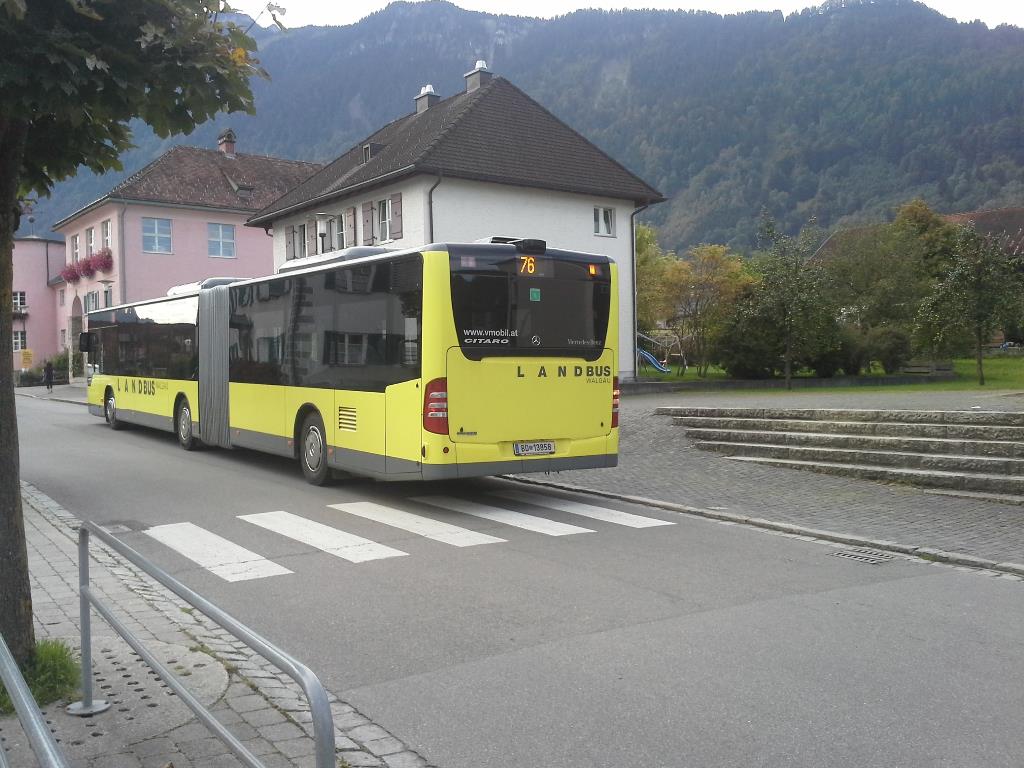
(505, 516)
(585, 510)
(218, 555)
(422, 526)
(347, 546)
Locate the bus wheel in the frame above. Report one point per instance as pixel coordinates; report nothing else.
(110, 411)
(183, 426)
(313, 447)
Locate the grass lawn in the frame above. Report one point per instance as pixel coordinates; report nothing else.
(1000, 373)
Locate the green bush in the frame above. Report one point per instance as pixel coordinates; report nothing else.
(748, 346)
(826, 364)
(889, 346)
(52, 674)
(853, 350)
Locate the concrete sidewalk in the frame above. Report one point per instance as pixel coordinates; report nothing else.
(658, 462)
(147, 725)
(75, 392)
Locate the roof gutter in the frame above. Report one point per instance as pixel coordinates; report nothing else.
(632, 245)
(157, 203)
(257, 220)
(430, 207)
(122, 288)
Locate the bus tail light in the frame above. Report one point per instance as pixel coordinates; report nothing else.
(435, 407)
(615, 402)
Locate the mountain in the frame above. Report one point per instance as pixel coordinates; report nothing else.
(839, 112)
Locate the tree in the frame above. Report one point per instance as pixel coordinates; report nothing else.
(980, 290)
(75, 72)
(933, 238)
(876, 275)
(651, 262)
(791, 294)
(699, 291)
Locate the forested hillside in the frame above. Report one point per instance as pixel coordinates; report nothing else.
(839, 112)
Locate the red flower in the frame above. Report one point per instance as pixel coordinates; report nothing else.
(70, 274)
(102, 260)
(85, 267)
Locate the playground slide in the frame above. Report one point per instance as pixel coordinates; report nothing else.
(651, 360)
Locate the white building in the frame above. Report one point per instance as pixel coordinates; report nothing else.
(486, 161)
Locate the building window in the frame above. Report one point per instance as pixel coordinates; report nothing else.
(366, 153)
(74, 248)
(339, 232)
(156, 235)
(220, 240)
(20, 304)
(63, 337)
(90, 241)
(92, 301)
(384, 219)
(20, 341)
(60, 297)
(105, 233)
(108, 296)
(329, 241)
(604, 222)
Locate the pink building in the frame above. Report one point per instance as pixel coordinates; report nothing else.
(178, 220)
(37, 261)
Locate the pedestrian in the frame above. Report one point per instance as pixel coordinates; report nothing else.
(48, 376)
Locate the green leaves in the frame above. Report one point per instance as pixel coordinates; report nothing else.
(167, 61)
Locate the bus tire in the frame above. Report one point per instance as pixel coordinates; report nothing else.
(313, 450)
(110, 410)
(183, 425)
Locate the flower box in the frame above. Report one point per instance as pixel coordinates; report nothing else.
(102, 260)
(70, 274)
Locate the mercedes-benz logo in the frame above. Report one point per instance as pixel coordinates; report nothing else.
(535, 341)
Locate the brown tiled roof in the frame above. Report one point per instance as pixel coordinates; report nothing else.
(999, 221)
(208, 178)
(494, 133)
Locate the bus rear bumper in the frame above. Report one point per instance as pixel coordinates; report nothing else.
(517, 467)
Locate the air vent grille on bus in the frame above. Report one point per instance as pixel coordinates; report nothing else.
(346, 418)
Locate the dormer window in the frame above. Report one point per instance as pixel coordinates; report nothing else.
(366, 153)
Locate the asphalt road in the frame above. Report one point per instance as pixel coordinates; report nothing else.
(693, 644)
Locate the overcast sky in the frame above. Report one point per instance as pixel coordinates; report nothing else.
(302, 12)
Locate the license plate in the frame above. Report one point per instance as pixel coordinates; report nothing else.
(536, 448)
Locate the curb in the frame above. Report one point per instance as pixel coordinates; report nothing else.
(53, 399)
(925, 553)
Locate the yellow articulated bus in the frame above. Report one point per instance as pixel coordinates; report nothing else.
(451, 361)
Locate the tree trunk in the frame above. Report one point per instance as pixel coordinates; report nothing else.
(15, 590)
(977, 355)
(787, 362)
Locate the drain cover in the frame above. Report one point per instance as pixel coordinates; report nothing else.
(863, 555)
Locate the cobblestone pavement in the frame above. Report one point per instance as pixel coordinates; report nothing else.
(147, 725)
(658, 461)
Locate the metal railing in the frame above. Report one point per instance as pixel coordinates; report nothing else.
(320, 707)
(32, 721)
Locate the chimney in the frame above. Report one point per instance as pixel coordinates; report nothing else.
(426, 99)
(479, 76)
(226, 142)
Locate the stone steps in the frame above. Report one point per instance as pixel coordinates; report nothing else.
(979, 454)
(985, 465)
(920, 445)
(891, 429)
(994, 418)
(986, 485)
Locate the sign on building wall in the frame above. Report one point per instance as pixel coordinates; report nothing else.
(26, 358)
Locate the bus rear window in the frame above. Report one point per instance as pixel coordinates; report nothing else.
(534, 305)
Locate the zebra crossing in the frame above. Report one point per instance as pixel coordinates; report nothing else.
(232, 562)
